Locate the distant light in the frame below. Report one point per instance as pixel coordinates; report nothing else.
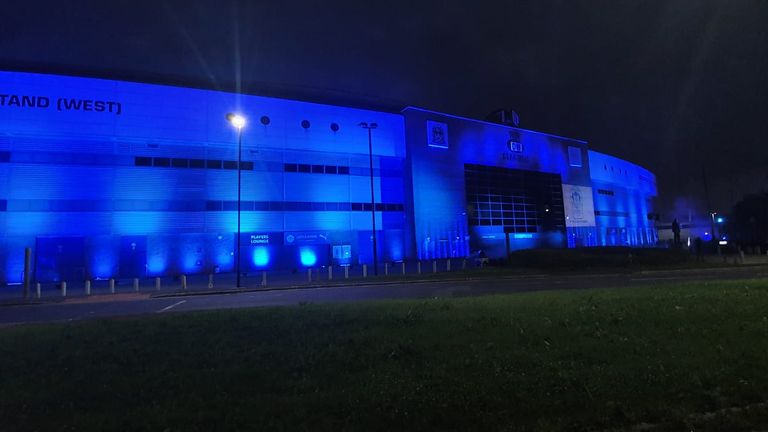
(706, 233)
(723, 242)
(237, 120)
(720, 220)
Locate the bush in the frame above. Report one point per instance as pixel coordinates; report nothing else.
(596, 257)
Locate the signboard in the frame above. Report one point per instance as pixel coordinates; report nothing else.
(579, 208)
(306, 237)
(437, 134)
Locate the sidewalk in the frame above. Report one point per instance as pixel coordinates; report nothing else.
(225, 282)
(124, 289)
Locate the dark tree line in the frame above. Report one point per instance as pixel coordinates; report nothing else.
(748, 222)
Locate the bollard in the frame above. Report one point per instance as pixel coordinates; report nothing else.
(112, 286)
(448, 264)
(309, 275)
(184, 282)
(346, 272)
(330, 272)
(136, 284)
(210, 280)
(157, 284)
(264, 278)
(63, 288)
(403, 266)
(27, 266)
(418, 267)
(87, 287)
(386, 269)
(434, 266)
(365, 270)
(37, 289)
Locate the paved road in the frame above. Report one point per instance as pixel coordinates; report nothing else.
(137, 304)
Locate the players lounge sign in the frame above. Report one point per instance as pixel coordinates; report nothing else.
(60, 104)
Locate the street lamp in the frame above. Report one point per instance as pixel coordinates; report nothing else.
(371, 126)
(238, 122)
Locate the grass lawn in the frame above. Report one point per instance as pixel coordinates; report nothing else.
(665, 358)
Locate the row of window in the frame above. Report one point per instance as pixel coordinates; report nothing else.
(508, 227)
(165, 162)
(509, 206)
(316, 169)
(300, 206)
(611, 213)
(605, 192)
(61, 158)
(187, 206)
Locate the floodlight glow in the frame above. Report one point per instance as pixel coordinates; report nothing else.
(237, 120)
(260, 256)
(308, 257)
(720, 220)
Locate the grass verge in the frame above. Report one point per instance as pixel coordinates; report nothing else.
(672, 357)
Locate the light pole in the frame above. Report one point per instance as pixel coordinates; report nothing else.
(371, 126)
(238, 122)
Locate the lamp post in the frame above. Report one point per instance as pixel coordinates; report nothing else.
(238, 122)
(371, 126)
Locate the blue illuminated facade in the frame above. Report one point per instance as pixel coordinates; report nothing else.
(110, 179)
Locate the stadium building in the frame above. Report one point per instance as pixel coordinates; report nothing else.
(108, 179)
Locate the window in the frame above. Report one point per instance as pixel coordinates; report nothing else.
(142, 161)
(246, 165)
(290, 167)
(232, 165)
(162, 162)
(214, 164)
(343, 170)
(318, 169)
(305, 168)
(196, 163)
(605, 192)
(180, 163)
(330, 169)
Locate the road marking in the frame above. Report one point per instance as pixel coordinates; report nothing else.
(171, 306)
(655, 279)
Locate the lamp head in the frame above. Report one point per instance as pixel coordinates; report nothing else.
(236, 120)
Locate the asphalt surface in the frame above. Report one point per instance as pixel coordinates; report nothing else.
(141, 304)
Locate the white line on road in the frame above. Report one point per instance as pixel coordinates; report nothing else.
(656, 279)
(171, 306)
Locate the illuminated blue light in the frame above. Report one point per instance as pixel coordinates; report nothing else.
(157, 265)
(103, 266)
(720, 219)
(190, 263)
(308, 257)
(522, 236)
(261, 256)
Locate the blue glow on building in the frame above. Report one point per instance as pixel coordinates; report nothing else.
(261, 256)
(145, 185)
(307, 256)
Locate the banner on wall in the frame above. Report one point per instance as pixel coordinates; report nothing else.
(437, 134)
(579, 208)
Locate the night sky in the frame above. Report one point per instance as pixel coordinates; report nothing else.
(676, 86)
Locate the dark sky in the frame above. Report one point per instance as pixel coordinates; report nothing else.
(676, 85)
